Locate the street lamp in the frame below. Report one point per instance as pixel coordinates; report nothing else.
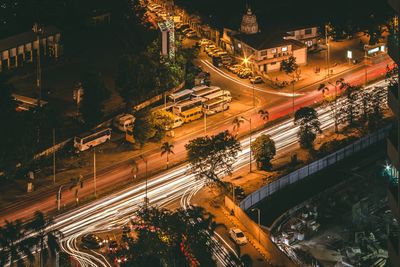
(246, 60)
(38, 30)
(94, 172)
(249, 120)
(146, 200)
(258, 220)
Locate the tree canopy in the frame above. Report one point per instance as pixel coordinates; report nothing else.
(263, 149)
(307, 120)
(213, 156)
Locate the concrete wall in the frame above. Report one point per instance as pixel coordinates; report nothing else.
(277, 256)
(300, 55)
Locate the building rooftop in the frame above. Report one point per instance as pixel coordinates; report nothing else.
(25, 37)
(265, 40)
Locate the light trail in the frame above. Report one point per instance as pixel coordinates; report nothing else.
(116, 209)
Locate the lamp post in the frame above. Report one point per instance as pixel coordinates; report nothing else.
(246, 60)
(59, 197)
(327, 50)
(258, 221)
(249, 120)
(94, 172)
(38, 30)
(146, 200)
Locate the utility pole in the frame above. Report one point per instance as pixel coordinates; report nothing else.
(327, 50)
(94, 172)
(38, 30)
(54, 156)
(146, 200)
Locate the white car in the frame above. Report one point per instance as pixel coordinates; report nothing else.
(237, 235)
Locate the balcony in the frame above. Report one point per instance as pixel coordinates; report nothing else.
(393, 100)
(393, 249)
(393, 201)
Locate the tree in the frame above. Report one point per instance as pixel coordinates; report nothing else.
(237, 121)
(264, 114)
(152, 125)
(323, 89)
(14, 244)
(46, 240)
(212, 156)
(167, 149)
(95, 93)
(291, 68)
(263, 149)
(350, 109)
(76, 184)
(307, 120)
(172, 238)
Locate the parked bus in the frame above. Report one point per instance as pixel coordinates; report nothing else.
(192, 114)
(180, 96)
(91, 139)
(186, 105)
(225, 94)
(215, 105)
(204, 91)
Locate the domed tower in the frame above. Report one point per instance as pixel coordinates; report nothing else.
(249, 23)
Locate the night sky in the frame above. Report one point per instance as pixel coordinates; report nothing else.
(283, 13)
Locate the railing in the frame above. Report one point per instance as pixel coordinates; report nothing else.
(313, 167)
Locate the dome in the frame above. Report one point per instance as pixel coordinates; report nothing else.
(249, 23)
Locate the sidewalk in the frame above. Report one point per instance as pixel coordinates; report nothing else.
(211, 200)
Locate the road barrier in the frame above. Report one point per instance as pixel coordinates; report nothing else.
(313, 167)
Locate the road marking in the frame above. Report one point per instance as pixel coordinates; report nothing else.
(267, 91)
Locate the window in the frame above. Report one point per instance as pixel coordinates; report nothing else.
(263, 53)
(284, 49)
(308, 31)
(273, 51)
(273, 63)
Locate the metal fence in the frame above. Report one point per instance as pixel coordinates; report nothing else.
(313, 167)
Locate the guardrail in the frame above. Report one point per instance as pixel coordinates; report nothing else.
(313, 167)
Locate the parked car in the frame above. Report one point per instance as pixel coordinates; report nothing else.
(204, 42)
(209, 47)
(191, 34)
(213, 51)
(244, 73)
(256, 80)
(234, 68)
(91, 241)
(237, 236)
(186, 30)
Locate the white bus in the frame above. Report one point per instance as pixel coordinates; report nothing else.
(186, 105)
(124, 121)
(180, 96)
(215, 105)
(204, 91)
(91, 139)
(225, 94)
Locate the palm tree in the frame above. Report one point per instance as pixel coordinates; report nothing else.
(134, 168)
(264, 114)
(14, 244)
(237, 121)
(44, 239)
(76, 183)
(167, 148)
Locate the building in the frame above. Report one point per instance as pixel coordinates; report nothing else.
(167, 38)
(393, 147)
(308, 35)
(21, 48)
(265, 50)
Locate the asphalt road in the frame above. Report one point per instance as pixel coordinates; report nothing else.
(114, 210)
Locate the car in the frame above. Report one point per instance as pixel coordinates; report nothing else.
(186, 30)
(204, 42)
(91, 241)
(209, 47)
(256, 79)
(112, 246)
(234, 67)
(183, 27)
(190, 34)
(237, 236)
(213, 51)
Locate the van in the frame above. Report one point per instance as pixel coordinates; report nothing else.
(124, 121)
(177, 121)
(226, 60)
